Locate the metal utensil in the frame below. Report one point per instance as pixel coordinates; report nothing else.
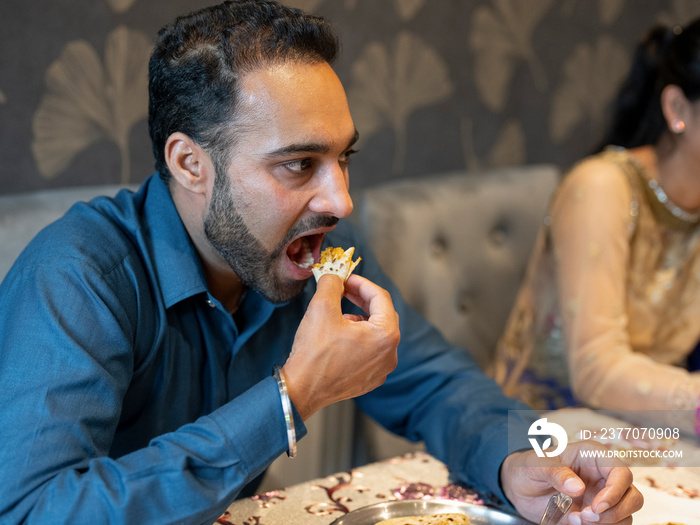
(478, 514)
(558, 505)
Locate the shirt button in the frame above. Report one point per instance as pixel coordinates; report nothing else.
(210, 303)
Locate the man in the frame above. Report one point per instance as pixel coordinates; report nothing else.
(140, 334)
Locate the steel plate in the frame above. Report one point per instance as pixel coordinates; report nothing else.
(478, 515)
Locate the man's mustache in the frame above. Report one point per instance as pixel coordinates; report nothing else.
(306, 225)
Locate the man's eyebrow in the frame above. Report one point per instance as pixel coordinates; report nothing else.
(354, 139)
(308, 147)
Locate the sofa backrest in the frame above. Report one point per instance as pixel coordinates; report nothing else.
(457, 245)
(23, 215)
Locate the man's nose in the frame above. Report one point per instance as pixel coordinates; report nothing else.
(333, 197)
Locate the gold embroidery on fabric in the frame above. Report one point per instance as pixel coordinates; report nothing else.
(662, 297)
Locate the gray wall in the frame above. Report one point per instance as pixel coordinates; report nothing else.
(434, 85)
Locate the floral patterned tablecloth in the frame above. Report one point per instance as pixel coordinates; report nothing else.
(322, 501)
(672, 493)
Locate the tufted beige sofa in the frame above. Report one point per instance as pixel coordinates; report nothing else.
(456, 244)
(23, 215)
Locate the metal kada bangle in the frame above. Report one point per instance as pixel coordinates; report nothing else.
(287, 409)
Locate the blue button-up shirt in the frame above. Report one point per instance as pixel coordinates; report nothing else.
(128, 394)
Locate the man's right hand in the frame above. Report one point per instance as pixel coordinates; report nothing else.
(336, 357)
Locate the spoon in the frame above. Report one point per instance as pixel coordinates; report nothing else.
(558, 505)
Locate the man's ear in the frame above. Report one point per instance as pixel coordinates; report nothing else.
(188, 163)
(676, 108)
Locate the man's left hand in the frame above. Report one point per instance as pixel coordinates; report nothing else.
(602, 489)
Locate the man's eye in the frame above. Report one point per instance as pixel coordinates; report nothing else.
(299, 165)
(345, 157)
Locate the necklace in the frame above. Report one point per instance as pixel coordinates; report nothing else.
(241, 298)
(670, 205)
(677, 214)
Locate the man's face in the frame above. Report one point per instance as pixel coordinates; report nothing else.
(286, 185)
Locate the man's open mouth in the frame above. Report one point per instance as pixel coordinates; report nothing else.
(305, 251)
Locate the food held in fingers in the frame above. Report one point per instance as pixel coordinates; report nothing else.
(335, 261)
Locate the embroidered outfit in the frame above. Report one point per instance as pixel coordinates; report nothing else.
(611, 300)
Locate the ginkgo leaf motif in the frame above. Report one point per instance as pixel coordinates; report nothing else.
(120, 6)
(610, 10)
(387, 87)
(500, 36)
(408, 8)
(680, 12)
(591, 77)
(507, 150)
(86, 102)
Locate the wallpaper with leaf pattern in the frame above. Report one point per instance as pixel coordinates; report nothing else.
(433, 85)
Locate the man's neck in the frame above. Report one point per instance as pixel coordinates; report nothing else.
(226, 287)
(223, 283)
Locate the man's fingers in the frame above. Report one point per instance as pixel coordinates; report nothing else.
(579, 518)
(355, 318)
(614, 487)
(629, 502)
(354, 292)
(373, 299)
(329, 290)
(616, 484)
(336, 356)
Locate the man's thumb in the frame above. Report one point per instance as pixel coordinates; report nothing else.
(330, 289)
(569, 483)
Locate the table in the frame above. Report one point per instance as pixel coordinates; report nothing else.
(322, 501)
(672, 494)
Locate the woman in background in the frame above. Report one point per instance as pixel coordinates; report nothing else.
(610, 306)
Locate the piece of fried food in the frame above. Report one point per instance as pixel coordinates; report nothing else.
(431, 519)
(335, 261)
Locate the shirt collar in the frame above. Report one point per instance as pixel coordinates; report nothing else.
(176, 263)
(178, 268)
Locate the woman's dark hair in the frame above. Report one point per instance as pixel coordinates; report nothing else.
(198, 60)
(664, 56)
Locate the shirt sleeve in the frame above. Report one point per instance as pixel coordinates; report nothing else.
(66, 360)
(591, 238)
(439, 395)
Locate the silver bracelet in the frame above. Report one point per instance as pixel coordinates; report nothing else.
(287, 409)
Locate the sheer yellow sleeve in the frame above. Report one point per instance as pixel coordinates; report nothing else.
(592, 224)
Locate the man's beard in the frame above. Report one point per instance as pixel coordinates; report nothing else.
(227, 232)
